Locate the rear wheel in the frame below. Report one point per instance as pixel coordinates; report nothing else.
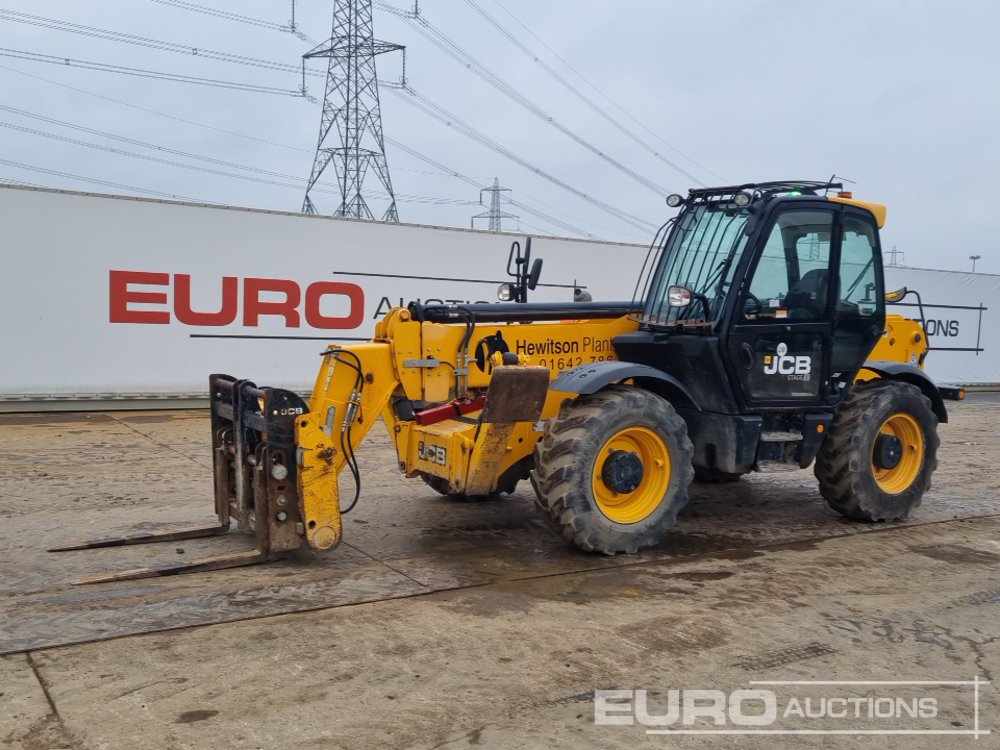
(877, 460)
(613, 469)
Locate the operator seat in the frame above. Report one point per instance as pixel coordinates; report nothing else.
(807, 298)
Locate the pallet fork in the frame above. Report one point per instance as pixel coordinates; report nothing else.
(254, 463)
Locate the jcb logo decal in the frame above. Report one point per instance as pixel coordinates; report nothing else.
(436, 454)
(787, 365)
(783, 364)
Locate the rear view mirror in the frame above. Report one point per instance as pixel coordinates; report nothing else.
(536, 271)
(678, 296)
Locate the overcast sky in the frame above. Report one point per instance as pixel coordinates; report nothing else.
(901, 97)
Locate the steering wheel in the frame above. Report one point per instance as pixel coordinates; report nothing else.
(751, 298)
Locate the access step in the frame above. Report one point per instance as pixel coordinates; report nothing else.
(780, 437)
(775, 467)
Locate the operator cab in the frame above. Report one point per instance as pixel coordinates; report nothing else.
(782, 279)
(761, 305)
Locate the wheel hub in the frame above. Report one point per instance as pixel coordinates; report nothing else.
(622, 472)
(888, 451)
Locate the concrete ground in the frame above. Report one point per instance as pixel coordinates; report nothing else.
(451, 625)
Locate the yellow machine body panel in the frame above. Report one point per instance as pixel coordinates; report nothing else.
(421, 362)
(903, 340)
(878, 210)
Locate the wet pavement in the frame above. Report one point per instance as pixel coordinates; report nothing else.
(65, 477)
(443, 624)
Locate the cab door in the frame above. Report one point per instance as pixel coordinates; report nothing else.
(859, 312)
(781, 329)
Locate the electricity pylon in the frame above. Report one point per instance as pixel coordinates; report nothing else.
(350, 131)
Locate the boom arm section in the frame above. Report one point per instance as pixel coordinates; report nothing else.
(461, 398)
(352, 390)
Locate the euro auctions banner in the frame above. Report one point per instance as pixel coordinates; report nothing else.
(961, 314)
(106, 297)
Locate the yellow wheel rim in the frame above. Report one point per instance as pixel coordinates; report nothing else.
(632, 507)
(899, 478)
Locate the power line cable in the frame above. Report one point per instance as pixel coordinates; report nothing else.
(440, 40)
(450, 120)
(227, 15)
(295, 185)
(108, 68)
(290, 28)
(119, 152)
(606, 97)
(141, 41)
(445, 170)
(576, 92)
(12, 181)
(169, 116)
(468, 180)
(184, 49)
(106, 183)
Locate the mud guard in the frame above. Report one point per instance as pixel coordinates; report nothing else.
(590, 378)
(516, 394)
(905, 373)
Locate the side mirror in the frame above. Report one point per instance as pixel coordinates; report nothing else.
(896, 296)
(536, 271)
(679, 296)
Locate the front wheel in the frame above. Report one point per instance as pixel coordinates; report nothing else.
(878, 457)
(613, 469)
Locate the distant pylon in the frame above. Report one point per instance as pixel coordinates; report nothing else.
(495, 214)
(897, 258)
(350, 130)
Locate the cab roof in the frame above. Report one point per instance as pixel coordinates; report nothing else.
(790, 189)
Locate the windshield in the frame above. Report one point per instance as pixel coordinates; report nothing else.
(700, 253)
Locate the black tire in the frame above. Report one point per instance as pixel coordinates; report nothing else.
(714, 476)
(440, 486)
(505, 486)
(565, 461)
(845, 466)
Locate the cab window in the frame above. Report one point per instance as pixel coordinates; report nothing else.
(792, 277)
(858, 283)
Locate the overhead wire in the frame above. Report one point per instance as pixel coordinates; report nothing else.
(618, 125)
(470, 181)
(176, 118)
(450, 120)
(607, 98)
(447, 45)
(467, 129)
(444, 171)
(142, 73)
(296, 185)
(54, 24)
(290, 28)
(228, 15)
(106, 183)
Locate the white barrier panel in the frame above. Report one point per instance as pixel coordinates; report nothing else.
(962, 320)
(105, 296)
(109, 297)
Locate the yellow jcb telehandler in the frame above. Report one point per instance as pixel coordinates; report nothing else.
(757, 340)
